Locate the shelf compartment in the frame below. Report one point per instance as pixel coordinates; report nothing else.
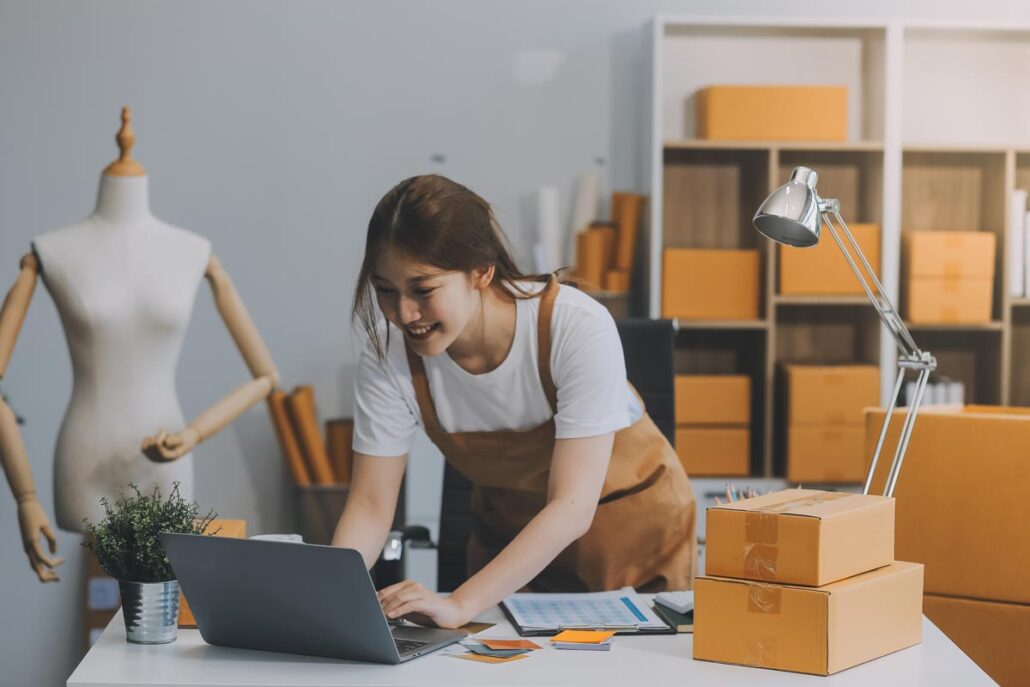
(970, 356)
(1019, 373)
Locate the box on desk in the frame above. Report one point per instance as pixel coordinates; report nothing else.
(820, 630)
(713, 399)
(710, 284)
(224, 528)
(714, 451)
(822, 269)
(800, 536)
(774, 113)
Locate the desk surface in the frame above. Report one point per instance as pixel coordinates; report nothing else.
(632, 661)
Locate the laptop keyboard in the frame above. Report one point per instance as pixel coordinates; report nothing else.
(405, 646)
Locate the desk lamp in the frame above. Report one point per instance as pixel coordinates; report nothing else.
(793, 215)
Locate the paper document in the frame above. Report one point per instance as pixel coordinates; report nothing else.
(622, 609)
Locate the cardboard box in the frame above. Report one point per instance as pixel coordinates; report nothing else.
(721, 451)
(826, 454)
(710, 284)
(995, 635)
(950, 253)
(950, 300)
(225, 528)
(783, 113)
(800, 536)
(819, 630)
(713, 399)
(822, 269)
(835, 395)
(963, 498)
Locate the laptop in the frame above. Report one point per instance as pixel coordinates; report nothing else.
(296, 598)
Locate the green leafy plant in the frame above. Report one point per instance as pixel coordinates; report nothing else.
(125, 542)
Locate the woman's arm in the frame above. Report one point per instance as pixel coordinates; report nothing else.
(371, 503)
(578, 469)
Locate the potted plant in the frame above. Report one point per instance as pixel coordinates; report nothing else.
(127, 547)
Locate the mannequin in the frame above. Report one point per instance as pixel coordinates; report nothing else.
(124, 283)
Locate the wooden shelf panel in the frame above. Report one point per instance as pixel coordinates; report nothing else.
(829, 300)
(830, 146)
(995, 326)
(728, 325)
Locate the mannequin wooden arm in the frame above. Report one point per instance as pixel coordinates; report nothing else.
(165, 446)
(15, 461)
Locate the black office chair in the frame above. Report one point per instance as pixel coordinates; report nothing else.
(648, 347)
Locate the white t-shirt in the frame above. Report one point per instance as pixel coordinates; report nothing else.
(587, 366)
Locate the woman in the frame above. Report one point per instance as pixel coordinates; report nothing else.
(521, 383)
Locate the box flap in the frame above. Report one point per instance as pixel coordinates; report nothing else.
(812, 503)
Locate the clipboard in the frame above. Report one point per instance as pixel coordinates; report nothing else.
(622, 611)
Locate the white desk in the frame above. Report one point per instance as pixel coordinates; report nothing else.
(632, 662)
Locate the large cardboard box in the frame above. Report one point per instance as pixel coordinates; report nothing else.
(995, 635)
(826, 454)
(713, 399)
(820, 630)
(783, 113)
(800, 536)
(714, 451)
(950, 253)
(834, 395)
(224, 528)
(963, 498)
(822, 269)
(950, 300)
(710, 284)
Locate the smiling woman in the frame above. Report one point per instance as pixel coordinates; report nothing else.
(521, 383)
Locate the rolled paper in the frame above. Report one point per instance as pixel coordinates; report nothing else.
(584, 209)
(626, 210)
(339, 435)
(287, 438)
(607, 231)
(304, 415)
(548, 227)
(616, 281)
(590, 267)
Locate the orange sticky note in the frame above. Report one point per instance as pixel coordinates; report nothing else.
(509, 644)
(583, 636)
(488, 659)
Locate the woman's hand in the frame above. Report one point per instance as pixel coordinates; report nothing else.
(411, 600)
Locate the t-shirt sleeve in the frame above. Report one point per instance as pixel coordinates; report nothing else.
(384, 424)
(589, 370)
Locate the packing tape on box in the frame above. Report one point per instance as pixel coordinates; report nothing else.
(761, 533)
(764, 599)
(762, 653)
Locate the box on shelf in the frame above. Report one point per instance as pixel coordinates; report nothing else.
(950, 253)
(783, 113)
(822, 269)
(819, 630)
(950, 300)
(826, 454)
(714, 451)
(713, 399)
(993, 634)
(831, 395)
(800, 536)
(222, 528)
(710, 284)
(950, 276)
(962, 498)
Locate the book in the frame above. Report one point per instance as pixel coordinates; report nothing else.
(681, 622)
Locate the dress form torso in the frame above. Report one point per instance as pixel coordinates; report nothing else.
(124, 284)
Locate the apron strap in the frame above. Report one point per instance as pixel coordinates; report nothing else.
(421, 383)
(543, 342)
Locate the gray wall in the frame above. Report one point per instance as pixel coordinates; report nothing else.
(273, 128)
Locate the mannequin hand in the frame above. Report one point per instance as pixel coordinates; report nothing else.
(411, 600)
(33, 522)
(164, 447)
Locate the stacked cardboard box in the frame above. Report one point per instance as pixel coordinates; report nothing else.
(823, 270)
(713, 426)
(825, 437)
(710, 284)
(806, 581)
(961, 511)
(782, 113)
(950, 276)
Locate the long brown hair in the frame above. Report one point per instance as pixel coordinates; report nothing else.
(441, 223)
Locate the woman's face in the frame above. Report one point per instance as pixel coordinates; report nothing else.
(431, 306)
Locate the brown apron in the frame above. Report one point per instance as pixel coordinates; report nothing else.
(643, 533)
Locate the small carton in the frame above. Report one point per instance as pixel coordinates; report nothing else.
(713, 399)
(950, 300)
(834, 395)
(951, 253)
(710, 284)
(800, 536)
(714, 451)
(826, 454)
(773, 113)
(222, 528)
(822, 269)
(820, 630)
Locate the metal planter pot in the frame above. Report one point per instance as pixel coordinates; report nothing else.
(151, 611)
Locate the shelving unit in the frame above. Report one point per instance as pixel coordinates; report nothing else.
(916, 158)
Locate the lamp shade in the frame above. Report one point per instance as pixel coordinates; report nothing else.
(790, 214)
